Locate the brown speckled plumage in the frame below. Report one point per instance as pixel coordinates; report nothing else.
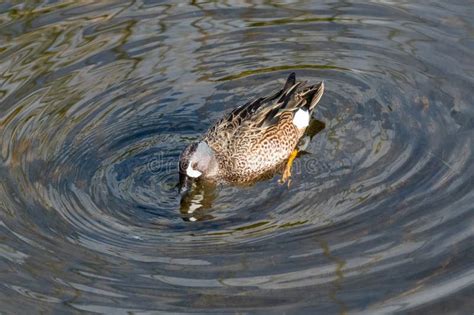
(259, 136)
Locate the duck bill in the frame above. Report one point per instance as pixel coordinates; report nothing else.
(185, 183)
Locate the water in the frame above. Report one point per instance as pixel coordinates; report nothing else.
(97, 99)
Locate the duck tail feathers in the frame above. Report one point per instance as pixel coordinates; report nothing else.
(312, 94)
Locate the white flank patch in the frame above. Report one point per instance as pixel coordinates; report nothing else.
(192, 172)
(301, 119)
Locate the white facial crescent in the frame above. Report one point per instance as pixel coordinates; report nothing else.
(192, 173)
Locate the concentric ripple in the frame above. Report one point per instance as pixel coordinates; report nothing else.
(98, 99)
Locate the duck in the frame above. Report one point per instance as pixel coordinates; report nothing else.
(253, 139)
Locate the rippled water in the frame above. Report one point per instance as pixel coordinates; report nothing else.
(98, 98)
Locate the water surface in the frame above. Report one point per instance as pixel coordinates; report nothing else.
(98, 98)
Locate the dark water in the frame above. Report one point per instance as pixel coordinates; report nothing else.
(98, 98)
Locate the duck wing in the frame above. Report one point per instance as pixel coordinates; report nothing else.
(297, 97)
(276, 129)
(218, 136)
(253, 121)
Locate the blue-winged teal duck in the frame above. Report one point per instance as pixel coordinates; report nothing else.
(254, 138)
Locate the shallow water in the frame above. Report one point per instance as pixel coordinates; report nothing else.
(97, 99)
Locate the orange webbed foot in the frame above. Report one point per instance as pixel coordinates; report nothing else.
(287, 172)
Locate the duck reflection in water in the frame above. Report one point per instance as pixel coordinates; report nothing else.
(196, 202)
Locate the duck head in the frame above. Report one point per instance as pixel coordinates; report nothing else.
(197, 161)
